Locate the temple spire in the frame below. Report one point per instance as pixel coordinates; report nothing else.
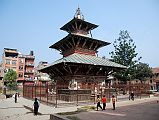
(78, 14)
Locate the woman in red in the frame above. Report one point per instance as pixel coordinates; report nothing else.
(104, 102)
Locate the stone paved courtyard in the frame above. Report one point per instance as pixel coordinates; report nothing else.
(143, 111)
(140, 109)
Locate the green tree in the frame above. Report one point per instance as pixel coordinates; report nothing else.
(142, 71)
(10, 78)
(124, 54)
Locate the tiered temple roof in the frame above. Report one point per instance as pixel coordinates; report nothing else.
(79, 52)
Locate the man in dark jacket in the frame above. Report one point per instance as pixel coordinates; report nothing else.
(16, 95)
(36, 106)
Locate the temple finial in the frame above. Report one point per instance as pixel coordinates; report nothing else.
(78, 14)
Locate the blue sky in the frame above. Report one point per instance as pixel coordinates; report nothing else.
(35, 25)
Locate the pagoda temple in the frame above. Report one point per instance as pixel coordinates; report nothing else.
(80, 67)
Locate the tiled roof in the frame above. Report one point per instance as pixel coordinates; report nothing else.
(86, 59)
(89, 25)
(77, 36)
(155, 70)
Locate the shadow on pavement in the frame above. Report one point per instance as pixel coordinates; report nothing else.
(31, 110)
(10, 107)
(28, 108)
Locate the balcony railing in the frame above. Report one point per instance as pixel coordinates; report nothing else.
(29, 64)
(29, 71)
(28, 79)
(27, 56)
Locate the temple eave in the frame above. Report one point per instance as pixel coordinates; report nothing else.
(72, 22)
(86, 61)
(69, 38)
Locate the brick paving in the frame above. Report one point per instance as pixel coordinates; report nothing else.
(23, 109)
(143, 111)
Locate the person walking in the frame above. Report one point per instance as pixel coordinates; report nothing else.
(36, 106)
(98, 103)
(104, 102)
(15, 97)
(113, 102)
(132, 95)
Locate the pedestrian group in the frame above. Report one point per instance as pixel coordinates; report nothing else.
(104, 100)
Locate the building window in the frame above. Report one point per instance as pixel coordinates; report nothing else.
(20, 67)
(14, 62)
(8, 61)
(14, 68)
(20, 75)
(6, 70)
(150, 81)
(21, 61)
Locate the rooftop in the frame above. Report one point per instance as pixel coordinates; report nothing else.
(86, 59)
(155, 70)
(8, 50)
(85, 23)
(70, 36)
